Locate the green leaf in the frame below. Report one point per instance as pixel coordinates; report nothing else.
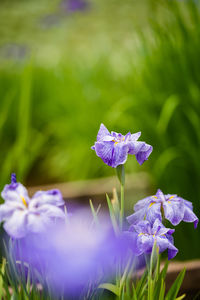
(181, 297)
(154, 258)
(166, 113)
(112, 215)
(124, 276)
(176, 286)
(164, 270)
(162, 290)
(94, 213)
(141, 285)
(134, 297)
(2, 278)
(110, 287)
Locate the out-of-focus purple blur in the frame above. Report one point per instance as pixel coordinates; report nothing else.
(76, 255)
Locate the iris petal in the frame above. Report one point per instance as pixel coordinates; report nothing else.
(15, 192)
(103, 131)
(189, 216)
(174, 211)
(105, 151)
(53, 197)
(15, 226)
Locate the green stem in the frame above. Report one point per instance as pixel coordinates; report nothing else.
(121, 176)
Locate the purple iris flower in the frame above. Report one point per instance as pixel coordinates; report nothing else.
(21, 214)
(113, 148)
(175, 209)
(143, 235)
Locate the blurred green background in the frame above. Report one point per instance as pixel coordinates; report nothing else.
(67, 66)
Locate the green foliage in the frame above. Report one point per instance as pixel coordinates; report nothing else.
(150, 286)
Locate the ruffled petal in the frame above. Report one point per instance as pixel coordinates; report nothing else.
(51, 211)
(103, 131)
(153, 212)
(15, 226)
(120, 154)
(142, 227)
(159, 229)
(145, 243)
(144, 153)
(188, 204)
(44, 216)
(172, 251)
(7, 209)
(135, 136)
(135, 147)
(53, 197)
(189, 216)
(144, 203)
(163, 244)
(160, 195)
(15, 192)
(105, 151)
(174, 211)
(137, 216)
(37, 223)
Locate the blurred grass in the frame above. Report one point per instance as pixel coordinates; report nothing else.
(133, 66)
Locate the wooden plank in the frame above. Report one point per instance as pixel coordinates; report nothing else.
(88, 188)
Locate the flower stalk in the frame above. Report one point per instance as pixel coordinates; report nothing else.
(121, 176)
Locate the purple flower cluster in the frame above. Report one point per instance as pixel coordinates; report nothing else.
(22, 214)
(146, 221)
(113, 148)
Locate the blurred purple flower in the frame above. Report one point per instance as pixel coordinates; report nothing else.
(21, 214)
(143, 235)
(175, 209)
(50, 21)
(14, 51)
(74, 5)
(75, 255)
(113, 148)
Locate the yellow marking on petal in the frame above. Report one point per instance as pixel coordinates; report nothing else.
(171, 197)
(154, 197)
(123, 138)
(154, 234)
(150, 205)
(115, 143)
(24, 201)
(140, 234)
(169, 202)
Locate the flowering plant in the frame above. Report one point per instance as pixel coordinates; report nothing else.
(57, 255)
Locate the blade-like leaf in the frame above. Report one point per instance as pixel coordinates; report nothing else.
(110, 287)
(176, 286)
(112, 215)
(94, 213)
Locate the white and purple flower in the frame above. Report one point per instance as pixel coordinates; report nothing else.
(144, 234)
(21, 214)
(113, 148)
(174, 208)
